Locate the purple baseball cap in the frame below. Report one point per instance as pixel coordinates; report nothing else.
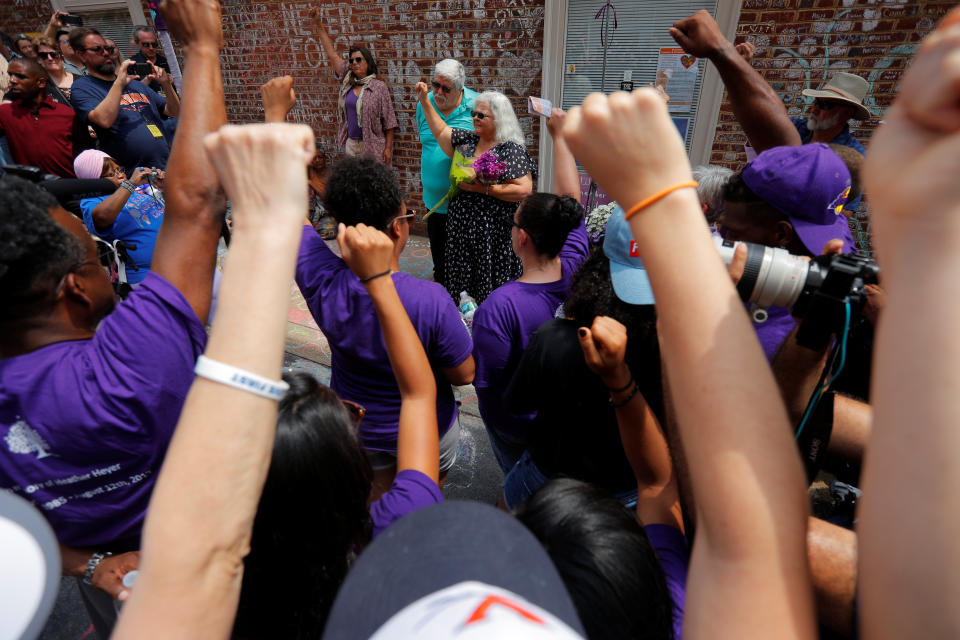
(809, 184)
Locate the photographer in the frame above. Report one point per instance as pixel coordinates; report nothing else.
(132, 214)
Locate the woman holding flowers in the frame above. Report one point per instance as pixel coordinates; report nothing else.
(479, 254)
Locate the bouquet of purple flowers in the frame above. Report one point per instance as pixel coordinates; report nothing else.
(486, 169)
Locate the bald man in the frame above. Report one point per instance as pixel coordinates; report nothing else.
(41, 132)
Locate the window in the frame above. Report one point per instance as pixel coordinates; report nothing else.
(573, 64)
(114, 19)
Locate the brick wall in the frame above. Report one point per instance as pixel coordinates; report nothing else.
(801, 43)
(500, 43)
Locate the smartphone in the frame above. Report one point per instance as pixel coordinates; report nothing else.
(142, 69)
(72, 20)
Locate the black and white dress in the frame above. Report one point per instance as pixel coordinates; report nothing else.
(479, 255)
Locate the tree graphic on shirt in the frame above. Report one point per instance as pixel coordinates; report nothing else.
(23, 439)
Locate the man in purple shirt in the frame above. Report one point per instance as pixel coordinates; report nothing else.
(89, 395)
(362, 191)
(792, 198)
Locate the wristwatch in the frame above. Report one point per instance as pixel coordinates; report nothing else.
(92, 565)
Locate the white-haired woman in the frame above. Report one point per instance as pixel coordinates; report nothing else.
(479, 255)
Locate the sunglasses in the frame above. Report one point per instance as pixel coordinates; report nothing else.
(442, 88)
(100, 50)
(479, 116)
(513, 223)
(823, 105)
(150, 45)
(48, 54)
(412, 213)
(357, 60)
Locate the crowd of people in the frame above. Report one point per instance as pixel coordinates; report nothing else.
(657, 431)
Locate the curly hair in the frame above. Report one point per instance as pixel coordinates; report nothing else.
(314, 503)
(35, 251)
(548, 219)
(592, 295)
(360, 189)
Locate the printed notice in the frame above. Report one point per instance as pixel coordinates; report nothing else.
(677, 73)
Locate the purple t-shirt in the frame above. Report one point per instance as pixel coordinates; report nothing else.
(670, 545)
(86, 423)
(775, 330)
(361, 369)
(354, 132)
(411, 490)
(502, 326)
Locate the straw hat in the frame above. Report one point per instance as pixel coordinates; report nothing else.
(847, 88)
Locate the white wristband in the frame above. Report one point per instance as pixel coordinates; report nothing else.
(240, 379)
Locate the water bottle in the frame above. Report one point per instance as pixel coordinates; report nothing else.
(468, 307)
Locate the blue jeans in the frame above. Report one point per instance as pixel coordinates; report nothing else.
(506, 448)
(526, 477)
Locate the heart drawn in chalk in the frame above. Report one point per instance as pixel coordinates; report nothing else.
(687, 60)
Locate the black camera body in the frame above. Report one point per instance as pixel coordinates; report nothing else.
(142, 69)
(71, 20)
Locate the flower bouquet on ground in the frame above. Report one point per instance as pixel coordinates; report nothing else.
(486, 169)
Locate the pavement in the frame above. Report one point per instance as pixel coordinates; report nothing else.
(475, 476)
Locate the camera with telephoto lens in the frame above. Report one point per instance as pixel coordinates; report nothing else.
(816, 290)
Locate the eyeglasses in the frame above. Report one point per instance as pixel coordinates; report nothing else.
(355, 411)
(480, 116)
(48, 54)
(442, 88)
(823, 105)
(357, 60)
(513, 223)
(150, 45)
(412, 214)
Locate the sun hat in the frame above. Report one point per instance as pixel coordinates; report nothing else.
(809, 184)
(457, 568)
(627, 273)
(847, 88)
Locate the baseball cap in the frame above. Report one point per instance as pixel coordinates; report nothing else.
(809, 184)
(454, 568)
(30, 559)
(627, 273)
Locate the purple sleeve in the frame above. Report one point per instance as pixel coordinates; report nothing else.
(575, 250)
(145, 351)
(670, 545)
(411, 490)
(492, 343)
(388, 117)
(316, 264)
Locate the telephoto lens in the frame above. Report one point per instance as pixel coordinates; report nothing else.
(771, 278)
(826, 292)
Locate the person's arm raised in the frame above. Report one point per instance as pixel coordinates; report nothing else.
(106, 113)
(749, 574)
(278, 98)
(186, 249)
(758, 108)
(368, 252)
(566, 180)
(201, 513)
(909, 551)
(441, 132)
(604, 347)
(335, 61)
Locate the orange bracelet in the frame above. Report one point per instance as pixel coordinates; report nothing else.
(646, 202)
